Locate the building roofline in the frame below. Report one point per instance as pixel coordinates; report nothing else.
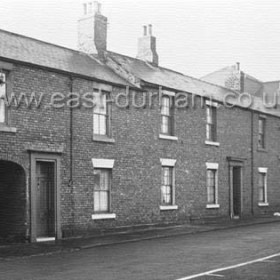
(40, 41)
(68, 73)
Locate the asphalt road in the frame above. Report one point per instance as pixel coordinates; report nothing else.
(169, 258)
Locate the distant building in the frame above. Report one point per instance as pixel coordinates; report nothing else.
(68, 171)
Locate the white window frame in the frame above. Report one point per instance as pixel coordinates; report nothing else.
(100, 163)
(166, 162)
(263, 133)
(211, 104)
(171, 117)
(213, 166)
(263, 170)
(3, 91)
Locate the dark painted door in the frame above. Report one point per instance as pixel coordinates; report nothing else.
(45, 179)
(236, 185)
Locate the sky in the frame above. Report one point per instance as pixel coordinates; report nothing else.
(195, 37)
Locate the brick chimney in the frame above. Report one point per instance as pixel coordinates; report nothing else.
(147, 46)
(92, 29)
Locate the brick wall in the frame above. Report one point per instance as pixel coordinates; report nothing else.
(137, 151)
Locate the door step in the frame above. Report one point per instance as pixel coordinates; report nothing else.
(45, 239)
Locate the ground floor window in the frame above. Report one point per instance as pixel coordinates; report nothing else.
(102, 190)
(262, 186)
(167, 182)
(167, 185)
(102, 185)
(212, 183)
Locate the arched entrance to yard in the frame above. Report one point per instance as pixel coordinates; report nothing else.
(12, 201)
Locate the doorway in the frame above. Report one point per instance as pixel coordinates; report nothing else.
(236, 191)
(45, 197)
(236, 169)
(45, 201)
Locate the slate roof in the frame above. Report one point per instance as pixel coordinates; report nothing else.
(24, 49)
(170, 79)
(28, 50)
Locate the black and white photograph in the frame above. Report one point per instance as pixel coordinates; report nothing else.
(139, 140)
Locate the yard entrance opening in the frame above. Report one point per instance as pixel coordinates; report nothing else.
(12, 202)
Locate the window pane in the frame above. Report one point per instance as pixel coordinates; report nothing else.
(102, 125)
(166, 188)
(2, 102)
(211, 186)
(2, 111)
(104, 201)
(103, 104)
(208, 132)
(262, 177)
(165, 125)
(261, 126)
(96, 129)
(208, 115)
(165, 109)
(166, 197)
(96, 201)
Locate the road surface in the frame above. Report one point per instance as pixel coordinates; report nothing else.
(172, 258)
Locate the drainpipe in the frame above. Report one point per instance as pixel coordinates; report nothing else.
(252, 163)
(70, 184)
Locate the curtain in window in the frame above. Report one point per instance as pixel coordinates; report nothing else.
(101, 190)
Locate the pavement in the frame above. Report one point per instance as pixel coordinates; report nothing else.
(11, 251)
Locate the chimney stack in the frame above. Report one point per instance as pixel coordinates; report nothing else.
(147, 46)
(92, 29)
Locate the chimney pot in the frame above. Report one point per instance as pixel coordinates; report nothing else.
(90, 8)
(150, 30)
(97, 7)
(145, 30)
(85, 8)
(238, 66)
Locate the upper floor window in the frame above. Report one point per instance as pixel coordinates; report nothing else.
(167, 115)
(3, 88)
(102, 114)
(211, 123)
(261, 133)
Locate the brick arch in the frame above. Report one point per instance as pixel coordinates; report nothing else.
(15, 159)
(13, 203)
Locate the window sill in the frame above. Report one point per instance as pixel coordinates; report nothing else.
(212, 206)
(210, 143)
(168, 207)
(4, 128)
(104, 216)
(262, 204)
(103, 138)
(262, 150)
(168, 137)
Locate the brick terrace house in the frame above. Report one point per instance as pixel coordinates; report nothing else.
(75, 171)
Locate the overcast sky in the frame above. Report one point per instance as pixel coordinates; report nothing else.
(195, 37)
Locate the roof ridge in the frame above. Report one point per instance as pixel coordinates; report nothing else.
(275, 81)
(143, 61)
(176, 72)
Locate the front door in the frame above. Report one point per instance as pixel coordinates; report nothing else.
(236, 191)
(45, 202)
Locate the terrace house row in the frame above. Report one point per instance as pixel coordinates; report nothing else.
(68, 171)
